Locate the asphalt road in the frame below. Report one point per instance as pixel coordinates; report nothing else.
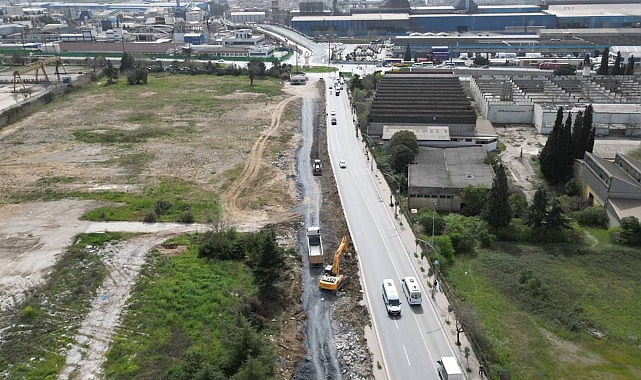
(412, 342)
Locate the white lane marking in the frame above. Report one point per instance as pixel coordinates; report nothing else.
(407, 357)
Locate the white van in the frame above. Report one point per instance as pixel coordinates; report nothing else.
(411, 290)
(390, 297)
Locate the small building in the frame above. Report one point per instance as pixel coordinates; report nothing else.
(437, 177)
(615, 185)
(244, 37)
(247, 17)
(194, 38)
(262, 51)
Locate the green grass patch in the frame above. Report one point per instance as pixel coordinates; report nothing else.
(181, 197)
(174, 198)
(44, 324)
(538, 305)
(319, 69)
(601, 234)
(127, 136)
(179, 307)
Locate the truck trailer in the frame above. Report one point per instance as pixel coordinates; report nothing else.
(314, 246)
(448, 368)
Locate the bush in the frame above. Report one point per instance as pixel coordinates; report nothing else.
(150, 217)
(515, 232)
(186, 217)
(594, 216)
(162, 207)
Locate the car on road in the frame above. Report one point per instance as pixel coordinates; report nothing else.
(342, 164)
(332, 112)
(333, 121)
(330, 86)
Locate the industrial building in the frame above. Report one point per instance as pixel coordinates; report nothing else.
(535, 98)
(438, 175)
(615, 185)
(466, 16)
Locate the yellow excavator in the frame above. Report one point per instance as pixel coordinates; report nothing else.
(332, 279)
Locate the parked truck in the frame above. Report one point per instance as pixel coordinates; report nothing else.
(314, 246)
(448, 368)
(317, 167)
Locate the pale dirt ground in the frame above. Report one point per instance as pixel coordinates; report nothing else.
(523, 143)
(33, 234)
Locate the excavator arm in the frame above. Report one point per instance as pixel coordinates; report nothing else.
(337, 256)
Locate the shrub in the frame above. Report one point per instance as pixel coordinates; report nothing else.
(595, 216)
(162, 207)
(150, 217)
(186, 217)
(515, 232)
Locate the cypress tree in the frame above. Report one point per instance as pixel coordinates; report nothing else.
(629, 68)
(564, 153)
(578, 141)
(617, 69)
(603, 69)
(498, 212)
(588, 130)
(408, 54)
(537, 212)
(547, 156)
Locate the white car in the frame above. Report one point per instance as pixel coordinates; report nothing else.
(342, 164)
(332, 112)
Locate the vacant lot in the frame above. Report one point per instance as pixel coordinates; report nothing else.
(558, 311)
(178, 149)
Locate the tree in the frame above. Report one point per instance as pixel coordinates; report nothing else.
(578, 141)
(138, 74)
(473, 200)
(240, 342)
(267, 261)
(479, 60)
(497, 212)
(588, 130)
(127, 62)
(518, 204)
(400, 157)
(408, 54)
(547, 157)
(402, 148)
(555, 219)
(405, 137)
(537, 212)
(111, 73)
(629, 68)
(617, 69)
(255, 68)
(603, 68)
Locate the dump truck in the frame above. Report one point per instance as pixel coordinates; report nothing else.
(314, 246)
(332, 279)
(317, 167)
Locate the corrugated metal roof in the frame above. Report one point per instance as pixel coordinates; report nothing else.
(422, 132)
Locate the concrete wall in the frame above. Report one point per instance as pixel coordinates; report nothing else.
(31, 105)
(510, 113)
